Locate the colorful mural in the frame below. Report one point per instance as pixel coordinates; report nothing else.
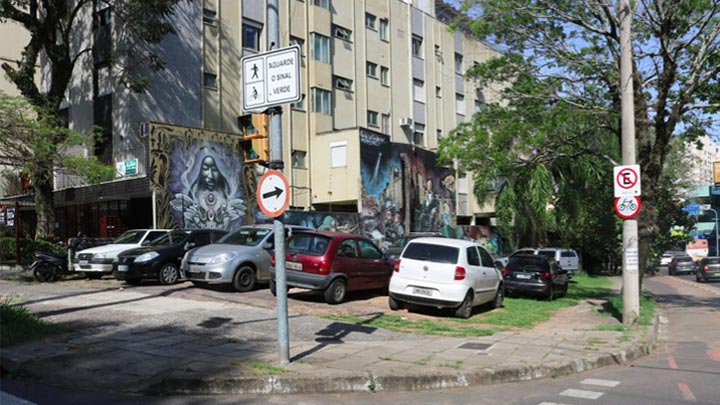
(404, 190)
(200, 179)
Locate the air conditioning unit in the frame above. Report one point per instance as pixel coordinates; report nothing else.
(406, 122)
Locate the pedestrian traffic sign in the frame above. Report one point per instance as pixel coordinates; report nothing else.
(627, 207)
(271, 78)
(627, 180)
(272, 193)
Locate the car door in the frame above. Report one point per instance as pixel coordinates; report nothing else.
(474, 272)
(491, 276)
(347, 261)
(376, 271)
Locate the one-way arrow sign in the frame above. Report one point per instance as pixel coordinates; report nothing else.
(272, 193)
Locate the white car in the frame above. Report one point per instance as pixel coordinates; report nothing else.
(445, 273)
(98, 261)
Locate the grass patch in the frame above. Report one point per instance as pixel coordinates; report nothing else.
(518, 313)
(19, 325)
(258, 368)
(23, 278)
(595, 341)
(424, 361)
(647, 309)
(456, 365)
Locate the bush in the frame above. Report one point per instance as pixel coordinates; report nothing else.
(27, 247)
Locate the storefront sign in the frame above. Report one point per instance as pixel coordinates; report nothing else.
(127, 168)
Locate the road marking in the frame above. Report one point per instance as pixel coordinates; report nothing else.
(550, 403)
(713, 354)
(672, 363)
(686, 392)
(582, 394)
(602, 383)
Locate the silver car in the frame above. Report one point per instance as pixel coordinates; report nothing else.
(241, 258)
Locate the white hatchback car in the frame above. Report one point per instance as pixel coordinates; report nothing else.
(445, 273)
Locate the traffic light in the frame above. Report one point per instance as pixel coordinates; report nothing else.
(254, 146)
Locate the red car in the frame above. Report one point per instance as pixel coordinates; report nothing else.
(334, 263)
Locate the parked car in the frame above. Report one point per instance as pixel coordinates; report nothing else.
(161, 261)
(334, 263)
(667, 257)
(682, 264)
(98, 261)
(445, 273)
(393, 252)
(568, 259)
(535, 274)
(240, 258)
(708, 269)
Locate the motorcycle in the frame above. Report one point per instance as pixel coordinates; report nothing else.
(49, 266)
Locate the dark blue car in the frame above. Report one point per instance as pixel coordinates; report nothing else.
(161, 261)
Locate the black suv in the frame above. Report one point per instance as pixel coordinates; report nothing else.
(535, 274)
(682, 264)
(161, 261)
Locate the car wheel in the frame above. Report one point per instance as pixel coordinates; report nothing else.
(395, 304)
(335, 293)
(464, 311)
(94, 276)
(244, 279)
(44, 272)
(169, 274)
(697, 278)
(499, 298)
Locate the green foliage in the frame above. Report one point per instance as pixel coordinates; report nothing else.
(19, 325)
(27, 247)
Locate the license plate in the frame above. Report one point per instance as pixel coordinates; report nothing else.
(294, 265)
(83, 262)
(523, 276)
(123, 267)
(422, 291)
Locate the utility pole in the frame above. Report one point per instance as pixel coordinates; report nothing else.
(631, 277)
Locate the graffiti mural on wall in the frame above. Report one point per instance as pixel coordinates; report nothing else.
(200, 179)
(324, 221)
(404, 190)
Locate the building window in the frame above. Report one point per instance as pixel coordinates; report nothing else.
(342, 33)
(210, 80)
(342, 83)
(320, 101)
(298, 159)
(384, 29)
(372, 118)
(321, 3)
(459, 63)
(371, 69)
(419, 135)
(417, 50)
(438, 92)
(418, 90)
(104, 17)
(338, 154)
(460, 104)
(384, 80)
(321, 47)
(251, 36)
(385, 128)
(299, 42)
(209, 17)
(370, 21)
(439, 135)
(438, 55)
(300, 105)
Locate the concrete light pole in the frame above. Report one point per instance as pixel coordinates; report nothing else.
(631, 279)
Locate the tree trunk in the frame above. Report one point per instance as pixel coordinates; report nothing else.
(44, 204)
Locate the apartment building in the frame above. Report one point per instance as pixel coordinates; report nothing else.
(382, 82)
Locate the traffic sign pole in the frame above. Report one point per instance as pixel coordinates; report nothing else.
(276, 163)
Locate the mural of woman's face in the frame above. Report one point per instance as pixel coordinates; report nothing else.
(209, 173)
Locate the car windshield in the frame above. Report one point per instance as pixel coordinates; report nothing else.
(528, 263)
(172, 238)
(245, 236)
(130, 237)
(431, 252)
(308, 244)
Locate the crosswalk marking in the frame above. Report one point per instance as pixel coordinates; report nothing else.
(686, 392)
(602, 383)
(582, 394)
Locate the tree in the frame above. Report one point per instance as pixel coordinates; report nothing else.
(572, 48)
(56, 31)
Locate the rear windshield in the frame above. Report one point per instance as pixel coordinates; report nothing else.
(547, 253)
(684, 259)
(245, 236)
(528, 263)
(712, 260)
(431, 252)
(172, 237)
(308, 244)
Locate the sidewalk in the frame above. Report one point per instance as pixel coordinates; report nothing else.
(127, 341)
